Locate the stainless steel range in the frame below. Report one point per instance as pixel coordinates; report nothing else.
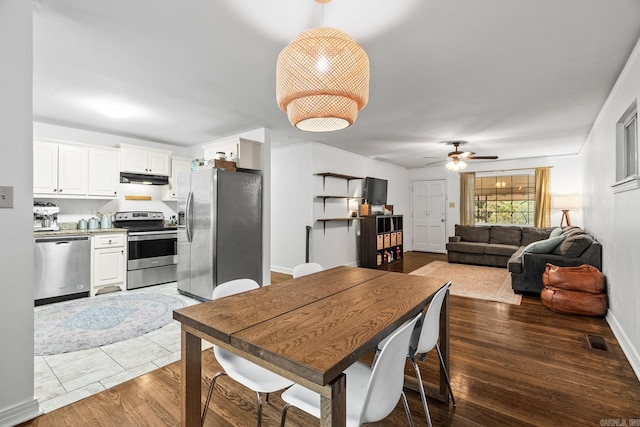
(152, 248)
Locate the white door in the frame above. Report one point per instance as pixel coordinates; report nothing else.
(429, 215)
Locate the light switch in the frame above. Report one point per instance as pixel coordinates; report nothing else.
(452, 205)
(6, 197)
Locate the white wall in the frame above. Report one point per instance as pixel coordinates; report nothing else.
(613, 218)
(296, 205)
(17, 402)
(564, 180)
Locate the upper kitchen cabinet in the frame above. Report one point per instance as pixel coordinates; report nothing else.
(67, 170)
(144, 160)
(60, 169)
(104, 169)
(246, 153)
(178, 165)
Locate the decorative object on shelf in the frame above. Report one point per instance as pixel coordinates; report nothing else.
(133, 197)
(322, 80)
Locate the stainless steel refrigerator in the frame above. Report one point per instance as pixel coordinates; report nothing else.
(219, 229)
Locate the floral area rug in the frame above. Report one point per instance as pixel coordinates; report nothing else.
(105, 319)
(473, 281)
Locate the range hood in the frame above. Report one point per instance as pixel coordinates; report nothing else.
(139, 178)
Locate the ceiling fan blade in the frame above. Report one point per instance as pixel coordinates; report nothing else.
(482, 157)
(434, 163)
(466, 154)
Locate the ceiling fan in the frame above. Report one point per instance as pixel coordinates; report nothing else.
(456, 158)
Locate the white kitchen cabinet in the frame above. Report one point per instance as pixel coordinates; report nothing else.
(60, 169)
(246, 153)
(144, 160)
(104, 171)
(108, 261)
(178, 165)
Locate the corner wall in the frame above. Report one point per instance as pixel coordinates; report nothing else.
(17, 402)
(295, 203)
(613, 218)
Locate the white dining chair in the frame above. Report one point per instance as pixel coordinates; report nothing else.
(247, 373)
(306, 268)
(425, 341)
(372, 392)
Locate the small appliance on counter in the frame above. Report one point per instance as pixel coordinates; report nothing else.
(45, 216)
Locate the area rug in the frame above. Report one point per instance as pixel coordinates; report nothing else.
(105, 319)
(473, 281)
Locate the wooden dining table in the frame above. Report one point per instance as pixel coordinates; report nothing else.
(308, 329)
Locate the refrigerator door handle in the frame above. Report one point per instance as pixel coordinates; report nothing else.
(189, 216)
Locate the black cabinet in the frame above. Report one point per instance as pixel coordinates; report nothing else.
(380, 240)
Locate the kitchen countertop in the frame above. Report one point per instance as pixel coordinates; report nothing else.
(77, 232)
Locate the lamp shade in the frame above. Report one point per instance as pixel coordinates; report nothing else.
(455, 164)
(322, 80)
(565, 201)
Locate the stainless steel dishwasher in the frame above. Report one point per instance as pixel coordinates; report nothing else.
(62, 268)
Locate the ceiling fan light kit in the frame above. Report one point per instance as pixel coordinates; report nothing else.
(322, 80)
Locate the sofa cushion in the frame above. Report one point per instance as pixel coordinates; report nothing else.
(505, 235)
(546, 246)
(574, 246)
(556, 232)
(569, 229)
(466, 247)
(502, 250)
(473, 233)
(530, 235)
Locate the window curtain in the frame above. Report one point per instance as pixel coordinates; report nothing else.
(543, 199)
(467, 194)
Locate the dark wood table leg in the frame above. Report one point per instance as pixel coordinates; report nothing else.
(333, 411)
(191, 363)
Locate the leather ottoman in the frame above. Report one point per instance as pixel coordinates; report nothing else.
(574, 290)
(574, 302)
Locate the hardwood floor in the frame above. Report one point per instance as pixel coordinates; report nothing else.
(510, 366)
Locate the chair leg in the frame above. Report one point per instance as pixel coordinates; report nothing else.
(446, 375)
(206, 405)
(284, 414)
(422, 395)
(259, 409)
(406, 409)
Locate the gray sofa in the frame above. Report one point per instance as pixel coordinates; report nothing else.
(511, 247)
(490, 245)
(576, 249)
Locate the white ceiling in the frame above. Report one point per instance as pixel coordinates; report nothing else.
(515, 78)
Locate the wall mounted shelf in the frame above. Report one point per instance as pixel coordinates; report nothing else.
(348, 219)
(348, 178)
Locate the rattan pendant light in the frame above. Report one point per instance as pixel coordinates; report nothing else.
(322, 80)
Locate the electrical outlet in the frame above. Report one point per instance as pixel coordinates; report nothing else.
(6, 197)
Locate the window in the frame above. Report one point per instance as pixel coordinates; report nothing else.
(631, 145)
(505, 199)
(627, 162)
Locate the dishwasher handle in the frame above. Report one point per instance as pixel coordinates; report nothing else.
(62, 240)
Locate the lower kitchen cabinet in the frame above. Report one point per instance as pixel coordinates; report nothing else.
(108, 262)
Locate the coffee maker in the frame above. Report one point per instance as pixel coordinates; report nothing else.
(45, 216)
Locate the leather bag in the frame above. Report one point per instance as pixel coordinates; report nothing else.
(583, 278)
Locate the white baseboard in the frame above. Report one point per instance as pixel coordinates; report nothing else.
(18, 414)
(282, 270)
(625, 344)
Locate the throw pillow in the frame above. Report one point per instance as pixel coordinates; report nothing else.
(530, 235)
(556, 232)
(543, 246)
(574, 246)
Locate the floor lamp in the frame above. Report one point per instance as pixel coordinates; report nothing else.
(565, 203)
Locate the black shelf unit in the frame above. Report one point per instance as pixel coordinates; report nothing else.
(380, 240)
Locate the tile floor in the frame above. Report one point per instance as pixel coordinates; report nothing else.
(62, 379)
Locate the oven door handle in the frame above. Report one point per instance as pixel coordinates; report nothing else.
(189, 216)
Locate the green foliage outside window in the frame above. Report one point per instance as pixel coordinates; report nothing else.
(505, 199)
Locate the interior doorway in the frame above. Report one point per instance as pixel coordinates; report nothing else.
(429, 215)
